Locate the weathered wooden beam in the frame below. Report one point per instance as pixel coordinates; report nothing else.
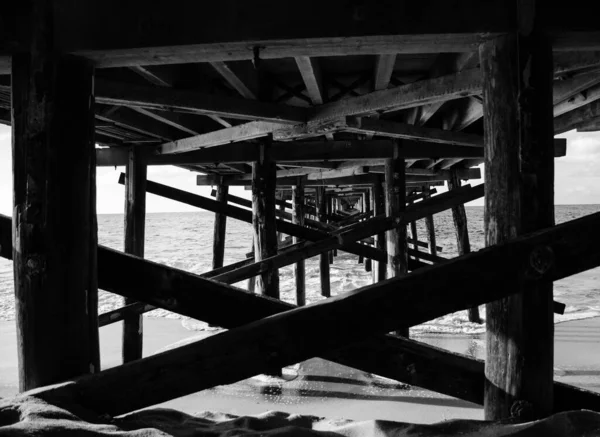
(569, 62)
(379, 270)
(54, 192)
(233, 80)
(179, 100)
(367, 209)
(135, 225)
(263, 219)
(242, 132)
(572, 119)
(584, 98)
(430, 227)
(321, 202)
(311, 75)
(288, 338)
(407, 131)
(309, 130)
(406, 96)
(519, 175)
(565, 89)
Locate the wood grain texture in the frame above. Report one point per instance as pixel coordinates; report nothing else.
(55, 228)
(135, 225)
(519, 172)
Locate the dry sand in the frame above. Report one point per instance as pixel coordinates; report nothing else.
(577, 361)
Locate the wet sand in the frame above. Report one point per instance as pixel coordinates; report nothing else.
(325, 389)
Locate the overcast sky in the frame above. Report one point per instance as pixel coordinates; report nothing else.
(577, 178)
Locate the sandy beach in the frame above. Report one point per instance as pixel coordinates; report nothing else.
(327, 389)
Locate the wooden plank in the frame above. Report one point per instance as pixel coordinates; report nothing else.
(406, 96)
(380, 269)
(135, 224)
(242, 132)
(568, 62)
(288, 338)
(309, 130)
(367, 209)
(519, 171)
(407, 131)
(220, 227)
(55, 236)
(179, 100)
(298, 219)
(588, 96)
(565, 89)
(395, 204)
(311, 75)
(263, 218)
(232, 79)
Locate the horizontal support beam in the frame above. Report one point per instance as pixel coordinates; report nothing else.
(297, 335)
(181, 100)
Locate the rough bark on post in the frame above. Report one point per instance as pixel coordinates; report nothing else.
(220, 229)
(54, 216)
(430, 226)
(321, 204)
(379, 270)
(367, 204)
(519, 175)
(298, 219)
(263, 217)
(459, 217)
(135, 218)
(395, 202)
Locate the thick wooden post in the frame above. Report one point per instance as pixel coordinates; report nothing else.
(252, 280)
(263, 217)
(135, 221)
(331, 210)
(367, 208)
(220, 229)
(519, 175)
(430, 226)
(395, 202)
(298, 219)
(459, 216)
(379, 270)
(321, 204)
(54, 216)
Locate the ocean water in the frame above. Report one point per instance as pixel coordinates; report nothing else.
(184, 241)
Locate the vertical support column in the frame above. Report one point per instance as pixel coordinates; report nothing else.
(298, 219)
(459, 216)
(379, 270)
(414, 234)
(321, 205)
(220, 227)
(135, 222)
(430, 226)
(329, 211)
(395, 203)
(264, 181)
(519, 177)
(54, 216)
(367, 208)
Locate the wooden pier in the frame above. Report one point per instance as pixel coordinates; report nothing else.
(343, 120)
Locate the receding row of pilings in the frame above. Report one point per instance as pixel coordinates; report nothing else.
(59, 266)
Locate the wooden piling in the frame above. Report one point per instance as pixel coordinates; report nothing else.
(367, 203)
(321, 204)
(459, 216)
(330, 211)
(263, 217)
(395, 203)
(220, 228)
(379, 270)
(54, 221)
(135, 222)
(519, 175)
(430, 226)
(298, 219)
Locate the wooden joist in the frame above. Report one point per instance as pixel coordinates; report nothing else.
(575, 118)
(178, 100)
(288, 338)
(406, 96)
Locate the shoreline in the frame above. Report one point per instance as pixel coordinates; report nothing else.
(318, 387)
